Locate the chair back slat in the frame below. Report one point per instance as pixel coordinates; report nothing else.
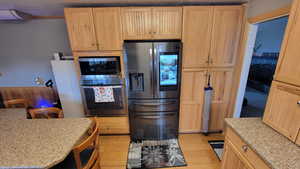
(16, 103)
(48, 113)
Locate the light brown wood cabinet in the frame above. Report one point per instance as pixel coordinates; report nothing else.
(221, 82)
(283, 109)
(211, 35)
(191, 100)
(93, 29)
(238, 155)
(113, 125)
(81, 29)
(196, 37)
(288, 69)
(151, 23)
(108, 28)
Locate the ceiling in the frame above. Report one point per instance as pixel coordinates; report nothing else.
(55, 7)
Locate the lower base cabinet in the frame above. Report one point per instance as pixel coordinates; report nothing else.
(113, 125)
(238, 155)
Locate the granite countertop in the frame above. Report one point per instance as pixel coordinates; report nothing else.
(276, 150)
(37, 143)
(13, 114)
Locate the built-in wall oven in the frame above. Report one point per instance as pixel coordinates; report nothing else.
(98, 74)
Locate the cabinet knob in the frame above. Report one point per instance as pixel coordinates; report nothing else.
(245, 148)
(298, 102)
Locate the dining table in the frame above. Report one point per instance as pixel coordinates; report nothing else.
(37, 143)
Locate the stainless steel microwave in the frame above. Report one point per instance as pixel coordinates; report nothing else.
(100, 65)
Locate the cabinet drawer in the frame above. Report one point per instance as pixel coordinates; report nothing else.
(113, 125)
(245, 150)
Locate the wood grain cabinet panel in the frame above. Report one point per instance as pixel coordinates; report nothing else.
(137, 23)
(166, 22)
(191, 100)
(288, 69)
(221, 82)
(81, 29)
(108, 28)
(197, 27)
(283, 109)
(226, 33)
(231, 159)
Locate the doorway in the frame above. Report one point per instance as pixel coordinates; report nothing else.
(259, 71)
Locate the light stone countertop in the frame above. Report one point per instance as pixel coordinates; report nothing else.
(276, 150)
(37, 143)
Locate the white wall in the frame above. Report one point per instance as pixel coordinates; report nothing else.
(258, 7)
(270, 35)
(27, 48)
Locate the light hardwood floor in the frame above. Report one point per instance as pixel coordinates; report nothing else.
(196, 150)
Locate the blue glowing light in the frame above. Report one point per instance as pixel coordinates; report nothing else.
(43, 103)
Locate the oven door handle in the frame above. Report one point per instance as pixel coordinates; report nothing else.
(101, 86)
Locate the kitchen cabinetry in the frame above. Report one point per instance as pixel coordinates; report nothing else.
(151, 23)
(221, 82)
(81, 28)
(93, 29)
(211, 35)
(113, 125)
(283, 109)
(288, 69)
(191, 100)
(238, 155)
(108, 28)
(226, 31)
(197, 25)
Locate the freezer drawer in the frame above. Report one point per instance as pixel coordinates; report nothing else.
(153, 105)
(154, 126)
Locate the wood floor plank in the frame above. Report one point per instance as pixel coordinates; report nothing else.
(196, 150)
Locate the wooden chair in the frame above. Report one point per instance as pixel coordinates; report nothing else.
(47, 113)
(90, 143)
(16, 103)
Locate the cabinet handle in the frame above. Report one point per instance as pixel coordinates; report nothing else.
(245, 148)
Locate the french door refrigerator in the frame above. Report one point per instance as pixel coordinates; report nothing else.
(153, 86)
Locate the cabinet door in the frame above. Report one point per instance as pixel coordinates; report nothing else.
(108, 28)
(197, 25)
(288, 69)
(166, 22)
(191, 100)
(221, 82)
(231, 159)
(226, 32)
(136, 23)
(81, 28)
(283, 110)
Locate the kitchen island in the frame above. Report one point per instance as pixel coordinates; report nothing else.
(37, 143)
(260, 142)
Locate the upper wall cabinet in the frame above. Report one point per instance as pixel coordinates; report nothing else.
(108, 28)
(81, 28)
(152, 23)
(288, 69)
(211, 35)
(94, 28)
(136, 23)
(226, 35)
(197, 26)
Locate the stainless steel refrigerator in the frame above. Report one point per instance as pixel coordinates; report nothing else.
(153, 86)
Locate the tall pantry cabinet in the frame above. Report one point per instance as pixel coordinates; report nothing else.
(211, 36)
(283, 106)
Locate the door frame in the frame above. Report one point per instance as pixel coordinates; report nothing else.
(247, 52)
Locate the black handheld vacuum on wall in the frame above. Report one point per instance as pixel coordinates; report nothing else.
(208, 91)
